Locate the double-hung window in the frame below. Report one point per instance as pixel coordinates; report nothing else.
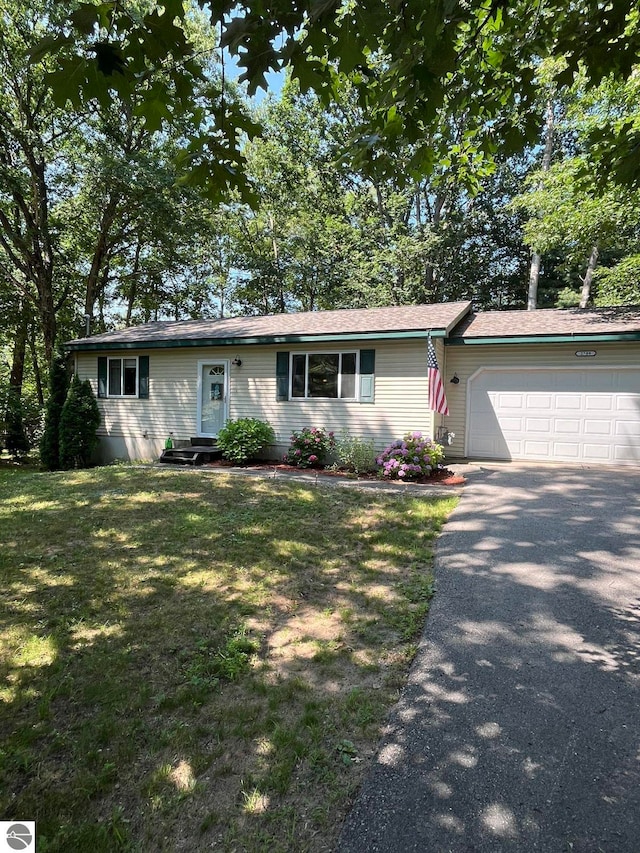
(123, 377)
(324, 375)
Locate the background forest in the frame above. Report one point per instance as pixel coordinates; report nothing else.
(111, 215)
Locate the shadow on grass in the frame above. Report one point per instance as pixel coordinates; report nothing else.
(191, 659)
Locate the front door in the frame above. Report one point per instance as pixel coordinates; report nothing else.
(213, 394)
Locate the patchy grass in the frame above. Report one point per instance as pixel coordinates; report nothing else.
(191, 660)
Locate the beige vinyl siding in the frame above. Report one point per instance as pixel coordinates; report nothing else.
(138, 428)
(466, 360)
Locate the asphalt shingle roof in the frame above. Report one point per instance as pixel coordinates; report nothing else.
(450, 318)
(549, 322)
(440, 317)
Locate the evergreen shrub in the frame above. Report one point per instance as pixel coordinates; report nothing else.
(58, 388)
(79, 422)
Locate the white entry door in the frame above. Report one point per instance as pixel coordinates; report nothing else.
(571, 415)
(213, 397)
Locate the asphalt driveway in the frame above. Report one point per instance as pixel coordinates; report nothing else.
(519, 729)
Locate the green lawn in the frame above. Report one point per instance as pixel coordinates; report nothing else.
(194, 660)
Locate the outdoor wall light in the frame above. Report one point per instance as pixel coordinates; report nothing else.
(236, 362)
(454, 379)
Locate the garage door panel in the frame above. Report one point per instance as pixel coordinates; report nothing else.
(557, 414)
(539, 402)
(536, 449)
(592, 427)
(596, 452)
(512, 425)
(627, 403)
(510, 401)
(538, 425)
(626, 454)
(598, 402)
(630, 429)
(572, 402)
(566, 450)
(568, 426)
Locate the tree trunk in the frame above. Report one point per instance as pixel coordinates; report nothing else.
(19, 352)
(133, 289)
(429, 287)
(94, 279)
(534, 277)
(588, 277)
(36, 366)
(534, 273)
(16, 439)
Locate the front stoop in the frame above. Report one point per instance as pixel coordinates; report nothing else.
(200, 450)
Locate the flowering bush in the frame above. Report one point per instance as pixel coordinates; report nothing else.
(310, 447)
(409, 458)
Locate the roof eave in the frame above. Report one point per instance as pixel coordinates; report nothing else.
(587, 337)
(87, 344)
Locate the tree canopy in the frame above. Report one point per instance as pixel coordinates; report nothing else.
(407, 62)
(406, 160)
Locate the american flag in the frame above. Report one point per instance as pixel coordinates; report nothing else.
(437, 397)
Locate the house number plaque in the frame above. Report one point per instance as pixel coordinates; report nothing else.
(586, 353)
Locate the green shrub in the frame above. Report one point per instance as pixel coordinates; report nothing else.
(243, 439)
(410, 457)
(16, 437)
(310, 447)
(79, 421)
(355, 454)
(58, 388)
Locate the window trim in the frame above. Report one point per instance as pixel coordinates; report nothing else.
(122, 395)
(340, 354)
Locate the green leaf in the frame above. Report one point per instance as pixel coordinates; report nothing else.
(47, 45)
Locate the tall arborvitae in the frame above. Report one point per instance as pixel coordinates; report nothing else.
(79, 422)
(58, 387)
(16, 437)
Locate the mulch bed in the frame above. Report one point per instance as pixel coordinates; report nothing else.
(444, 477)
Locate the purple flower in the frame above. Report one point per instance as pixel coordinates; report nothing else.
(313, 458)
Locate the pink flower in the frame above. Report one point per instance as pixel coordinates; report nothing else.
(313, 458)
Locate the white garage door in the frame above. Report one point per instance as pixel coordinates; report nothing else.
(566, 415)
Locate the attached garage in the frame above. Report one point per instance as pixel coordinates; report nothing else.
(550, 385)
(571, 415)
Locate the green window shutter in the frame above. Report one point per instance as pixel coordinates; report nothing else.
(282, 376)
(143, 377)
(102, 376)
(367, 375)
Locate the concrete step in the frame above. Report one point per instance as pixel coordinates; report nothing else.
(190, 455)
